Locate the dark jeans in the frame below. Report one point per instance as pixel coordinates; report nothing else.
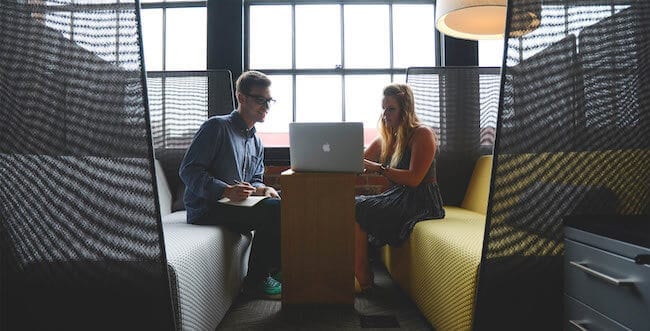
(264, 218)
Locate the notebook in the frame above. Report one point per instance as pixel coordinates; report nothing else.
(326, 147)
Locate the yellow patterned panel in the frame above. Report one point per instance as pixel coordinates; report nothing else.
(478, 190)
(518, 174)
(438, 267)
(610, 169)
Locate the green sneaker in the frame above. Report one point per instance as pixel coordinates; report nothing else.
(278, 276)
(270, 288)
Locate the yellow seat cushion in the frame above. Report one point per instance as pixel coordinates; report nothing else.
(438, 267)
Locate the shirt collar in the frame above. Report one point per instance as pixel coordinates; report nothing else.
(240, 125)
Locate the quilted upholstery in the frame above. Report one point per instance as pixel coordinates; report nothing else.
(438, 265)
(206, 265)
(164, 194)
(209, 263)
(476, 197)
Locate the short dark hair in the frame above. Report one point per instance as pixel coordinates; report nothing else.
(250, 79)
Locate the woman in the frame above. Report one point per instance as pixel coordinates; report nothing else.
(404, 154)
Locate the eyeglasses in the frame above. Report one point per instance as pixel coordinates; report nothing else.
(260, 100)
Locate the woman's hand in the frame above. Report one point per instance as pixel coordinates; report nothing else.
(238, 192)
(370, 166)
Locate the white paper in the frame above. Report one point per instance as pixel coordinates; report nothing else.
(248, 202)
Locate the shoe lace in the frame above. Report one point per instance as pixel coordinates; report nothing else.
(270, 281)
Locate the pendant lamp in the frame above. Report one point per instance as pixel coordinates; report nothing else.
(486, 19)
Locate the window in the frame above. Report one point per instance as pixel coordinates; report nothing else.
(174, 35)
(490, 53)
(329, 61)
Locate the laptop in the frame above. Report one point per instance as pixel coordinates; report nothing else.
(326, 147)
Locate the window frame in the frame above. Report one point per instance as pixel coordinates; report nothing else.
(222, 55)
(338, 71)
(170, 5)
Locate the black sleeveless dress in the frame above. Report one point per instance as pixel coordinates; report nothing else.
(389, 217)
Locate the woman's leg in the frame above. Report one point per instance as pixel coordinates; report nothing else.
(361, 268)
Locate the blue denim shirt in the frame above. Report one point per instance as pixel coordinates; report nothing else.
(222, 151)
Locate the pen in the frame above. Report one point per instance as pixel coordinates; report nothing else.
(243, 183)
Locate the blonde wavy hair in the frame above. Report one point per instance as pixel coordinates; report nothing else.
(408, 123)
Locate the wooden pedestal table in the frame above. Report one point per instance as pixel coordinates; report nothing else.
(317, 238)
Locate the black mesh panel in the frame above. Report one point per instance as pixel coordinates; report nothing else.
(573, 139)
(460, 104)
(181, 101)
(80, 227)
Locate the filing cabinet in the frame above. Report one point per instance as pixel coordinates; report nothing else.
(607, 274)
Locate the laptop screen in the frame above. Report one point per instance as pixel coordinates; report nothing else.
(326, 147)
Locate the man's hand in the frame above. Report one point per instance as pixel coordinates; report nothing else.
(271, 192)
(239, 191)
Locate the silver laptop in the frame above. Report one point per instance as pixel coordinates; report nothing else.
(326, 147)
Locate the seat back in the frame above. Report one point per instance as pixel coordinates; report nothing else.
(180, 102)
(478, 190)
(164, 194)
(460, 104)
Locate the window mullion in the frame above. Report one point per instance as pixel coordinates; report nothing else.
(293, 58)
(390, 39)
(163, 80)
(342, 61)
(164, 39)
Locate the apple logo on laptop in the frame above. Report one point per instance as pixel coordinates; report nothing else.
(326, 147)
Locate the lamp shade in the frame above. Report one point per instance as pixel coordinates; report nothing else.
(485, 19)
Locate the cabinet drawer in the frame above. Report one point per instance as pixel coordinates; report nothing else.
(590, 276)
(580, 317)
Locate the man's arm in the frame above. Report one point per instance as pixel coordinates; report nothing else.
(194, 168)
(258, 176)
(258, 169)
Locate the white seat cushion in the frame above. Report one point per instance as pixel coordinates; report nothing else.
(175, 217)
(207, 265)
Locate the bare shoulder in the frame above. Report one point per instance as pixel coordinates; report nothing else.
(423, 133)
(376, 142)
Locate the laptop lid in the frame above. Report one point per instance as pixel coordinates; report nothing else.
(326, 147)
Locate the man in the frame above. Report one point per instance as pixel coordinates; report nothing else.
(226, 159)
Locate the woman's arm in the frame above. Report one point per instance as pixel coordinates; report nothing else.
(423, 149)
(373, 151)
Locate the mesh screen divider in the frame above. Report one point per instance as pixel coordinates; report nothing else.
(180, 102)
(80, 230)
(460, 104)
(572, 139)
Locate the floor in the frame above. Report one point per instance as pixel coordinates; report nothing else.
(383, 307)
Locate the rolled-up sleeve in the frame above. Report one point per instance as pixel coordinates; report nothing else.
(194, 168)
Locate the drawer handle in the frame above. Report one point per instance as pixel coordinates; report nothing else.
(602, 276)
(578, 325)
